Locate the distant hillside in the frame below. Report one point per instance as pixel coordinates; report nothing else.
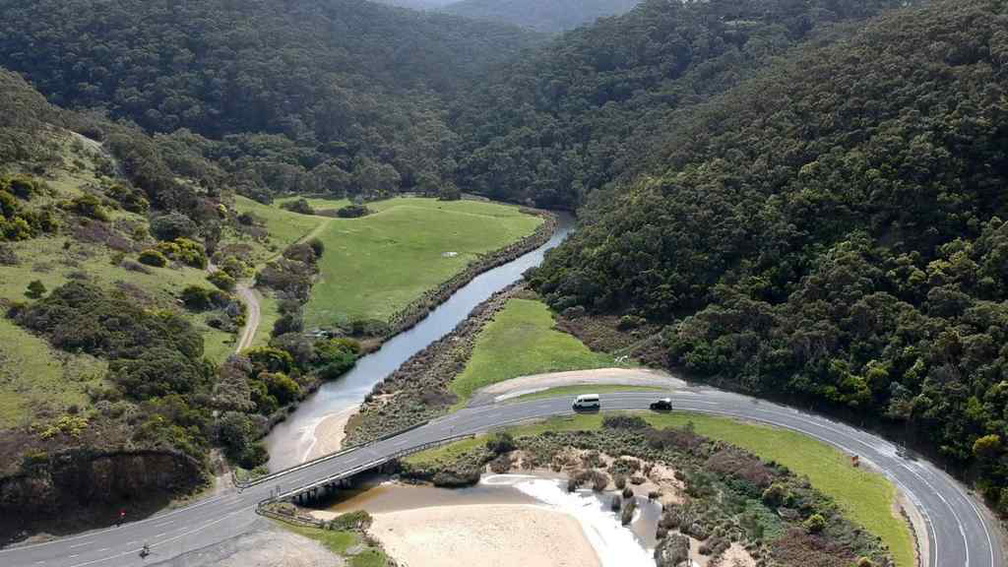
(540, 15)
(416, 4)
(556, 124)
(306, 95)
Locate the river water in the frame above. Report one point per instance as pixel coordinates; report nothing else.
(290, 441)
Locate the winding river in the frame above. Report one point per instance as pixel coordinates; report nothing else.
(290, 441)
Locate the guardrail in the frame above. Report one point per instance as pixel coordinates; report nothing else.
(360, 468)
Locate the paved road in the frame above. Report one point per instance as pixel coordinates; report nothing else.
(959, 532)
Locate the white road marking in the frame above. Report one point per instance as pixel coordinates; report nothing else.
(80, 544)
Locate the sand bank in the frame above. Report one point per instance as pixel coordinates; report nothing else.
(328, 434)
(502, 535)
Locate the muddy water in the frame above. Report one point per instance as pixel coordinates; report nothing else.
(290, 441)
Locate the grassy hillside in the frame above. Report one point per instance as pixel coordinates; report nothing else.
(377, 264)
(521, 340)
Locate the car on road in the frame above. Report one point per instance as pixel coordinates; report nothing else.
(662, 404)
(587, 402)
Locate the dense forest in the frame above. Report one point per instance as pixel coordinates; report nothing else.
(551, 16)
(340, 96)
(833, 230)
(574, 116)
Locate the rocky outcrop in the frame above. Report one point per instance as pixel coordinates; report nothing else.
(673, 551)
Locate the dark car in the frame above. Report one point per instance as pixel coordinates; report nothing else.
(662, 404)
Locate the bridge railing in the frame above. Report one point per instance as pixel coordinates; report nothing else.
(243, 484)
(360, 468)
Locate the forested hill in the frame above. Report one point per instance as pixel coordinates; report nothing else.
(540, 15)
(348, 91)
(574, 116)
(833, 230)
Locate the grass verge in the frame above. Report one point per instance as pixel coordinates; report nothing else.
(867, 497)
(520, 341)
(585, 389)
(339, 542)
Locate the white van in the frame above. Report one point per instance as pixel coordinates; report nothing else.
(586, 402)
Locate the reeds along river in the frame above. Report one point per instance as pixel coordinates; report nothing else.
(290, 441)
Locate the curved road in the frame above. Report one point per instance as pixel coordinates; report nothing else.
(959, 532)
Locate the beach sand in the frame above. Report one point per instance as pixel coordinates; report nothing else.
(503, 535)
(329, 434)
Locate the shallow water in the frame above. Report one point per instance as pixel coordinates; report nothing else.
(290, 441)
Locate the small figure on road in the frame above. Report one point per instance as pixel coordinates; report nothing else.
(122, 516)
(145, 551)
(855, 461)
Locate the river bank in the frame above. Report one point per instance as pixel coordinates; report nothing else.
(290, 440)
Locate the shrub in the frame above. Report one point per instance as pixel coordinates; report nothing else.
(235, 267)
(36, 289)
(254, 456)
(628, 492)
(130, 199)
(500, 443)
(222, 280)
(317, 246)
(152, 257)
(198, 298)
(624, 422)
(173, 226)
(814, 524)
(288, 323)
(270, 359)
(299, 206)
(353, 211)
(89, 206)
(358, 520)
(184, 250)
(775, 495)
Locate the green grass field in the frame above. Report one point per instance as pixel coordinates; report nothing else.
(375, 265)
(519, 341)
(867, 497)
(285, 227)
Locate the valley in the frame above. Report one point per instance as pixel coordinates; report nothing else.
(263, 267)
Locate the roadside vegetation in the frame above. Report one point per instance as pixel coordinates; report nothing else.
(346, 536)
(713, 492)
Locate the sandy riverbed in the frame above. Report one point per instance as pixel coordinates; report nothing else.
(329, 433)
(502, 535)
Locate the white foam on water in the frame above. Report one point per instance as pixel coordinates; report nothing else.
(615, 545)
